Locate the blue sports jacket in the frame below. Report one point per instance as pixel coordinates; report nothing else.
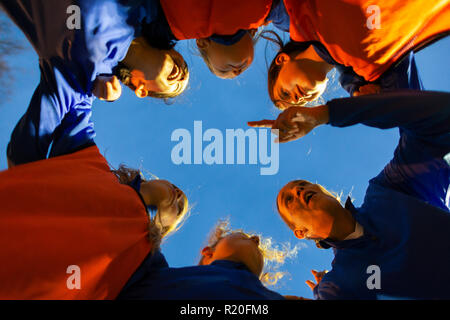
(221, 280)
(58, 119)
(402, 75)
(405, 214)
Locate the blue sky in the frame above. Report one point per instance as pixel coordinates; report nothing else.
(138, 133)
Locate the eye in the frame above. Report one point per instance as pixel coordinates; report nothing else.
(288, 200)
(285, 95)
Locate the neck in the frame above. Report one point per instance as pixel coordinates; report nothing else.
(138, 52)
(151, 194)
(344, 225)
(311, 54)
(132, 54)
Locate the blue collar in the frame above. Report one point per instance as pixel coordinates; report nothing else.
(327, 243)
(228, 40)
(323, 53)
(136, 185)
(231, 265)
(140, 11)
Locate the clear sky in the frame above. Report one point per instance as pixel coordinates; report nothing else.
(138, 133)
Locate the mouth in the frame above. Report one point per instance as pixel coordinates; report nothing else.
(176, 71)
(174, 194)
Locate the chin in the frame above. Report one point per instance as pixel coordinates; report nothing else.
(314, 238)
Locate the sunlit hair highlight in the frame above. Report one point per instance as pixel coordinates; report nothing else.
(274, 257)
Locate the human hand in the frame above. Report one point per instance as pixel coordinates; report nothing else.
(295, 122)
(107, 88)
(367, 89)
(318, 276)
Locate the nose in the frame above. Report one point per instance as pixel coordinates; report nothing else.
(178, 192)
(237, 72)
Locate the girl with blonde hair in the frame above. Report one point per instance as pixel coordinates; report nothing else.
(234, 266)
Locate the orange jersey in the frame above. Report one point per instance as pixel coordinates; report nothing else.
(195, 19)
(63, 212)
(368, 35)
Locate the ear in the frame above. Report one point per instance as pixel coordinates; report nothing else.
(300, 234)
(202, 43)
(141, 92)
(282, 58)
(207, 253)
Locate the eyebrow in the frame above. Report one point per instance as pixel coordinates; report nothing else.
(285, 199)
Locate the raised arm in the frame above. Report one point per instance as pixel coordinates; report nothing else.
(422, 114)
(421, 163)
(420, 166)
(58, 121)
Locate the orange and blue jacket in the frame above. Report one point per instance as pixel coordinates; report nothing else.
(368, 35)
(194, 19)
(69, 229)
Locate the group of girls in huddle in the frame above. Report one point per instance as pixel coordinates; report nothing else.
(60, 192)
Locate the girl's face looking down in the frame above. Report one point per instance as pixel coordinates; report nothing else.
(236, 247)
(302, 78)
(227, 61)
(166, 76)
(170, 201)
(154, 71)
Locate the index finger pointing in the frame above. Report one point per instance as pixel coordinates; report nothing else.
(261, 123)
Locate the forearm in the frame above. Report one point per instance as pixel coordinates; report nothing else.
(75, 132)
(32, 136)
(424, 113)
(29, 141)
(56, 117)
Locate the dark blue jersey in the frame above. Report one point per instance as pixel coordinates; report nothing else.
(221, 280)
(405, 214)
